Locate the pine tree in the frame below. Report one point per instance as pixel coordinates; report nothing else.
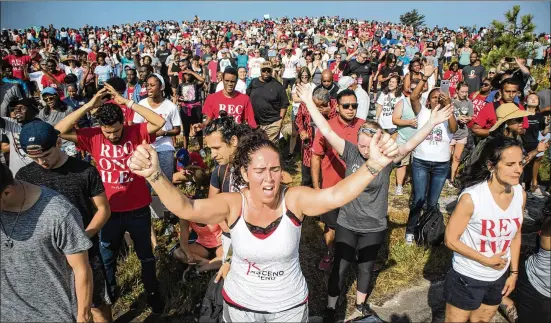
(413, 18)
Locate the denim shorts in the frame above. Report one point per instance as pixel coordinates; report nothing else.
(468, 294)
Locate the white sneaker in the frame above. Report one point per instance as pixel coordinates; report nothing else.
(410, 239)
(399, 191)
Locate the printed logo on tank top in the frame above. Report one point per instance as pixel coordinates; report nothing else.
(254, 270)
(497, 234)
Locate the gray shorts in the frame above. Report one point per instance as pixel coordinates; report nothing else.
(295, 314)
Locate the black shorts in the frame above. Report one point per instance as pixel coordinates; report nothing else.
(330, 218)
(188, 119)
(288, 83)
(211, 252)
(101, 294)
(468, 294)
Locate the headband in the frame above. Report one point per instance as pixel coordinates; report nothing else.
(160, 78)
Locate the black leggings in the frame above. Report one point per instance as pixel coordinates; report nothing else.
(348, 246)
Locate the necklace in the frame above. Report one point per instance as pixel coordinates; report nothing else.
(9, 242)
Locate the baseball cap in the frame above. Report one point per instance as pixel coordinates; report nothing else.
(49, 90)
(162, 43)
(28, 102)
(182, 157)
(37, 137)
(266, 64)
(345, 82)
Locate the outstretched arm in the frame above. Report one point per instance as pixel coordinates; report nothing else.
(438, 115)
(334, 140)
(306, 201)
(213, 210)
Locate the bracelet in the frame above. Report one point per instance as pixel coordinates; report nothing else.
(130, 103)
(425, 80)
(513, 272)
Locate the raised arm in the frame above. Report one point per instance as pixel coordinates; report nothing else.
(154, 121)
(66, 125)
(213, 210)
(438, 115)
(305, 201)
(334, 140)
(416, 95)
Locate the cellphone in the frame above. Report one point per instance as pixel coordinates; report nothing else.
(445, 86)
(509, 59)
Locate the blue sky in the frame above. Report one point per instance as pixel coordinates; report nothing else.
(77, 13)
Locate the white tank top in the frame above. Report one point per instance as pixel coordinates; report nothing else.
(265, 274)
(489, 231)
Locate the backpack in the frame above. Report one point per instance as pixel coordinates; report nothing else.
(430, 228)
(212, 305)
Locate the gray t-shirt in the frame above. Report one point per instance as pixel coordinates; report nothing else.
(18, 158)
(37, 283)
(462, 108)
(368, 212)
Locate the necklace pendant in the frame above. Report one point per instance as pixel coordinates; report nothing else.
(9, 244)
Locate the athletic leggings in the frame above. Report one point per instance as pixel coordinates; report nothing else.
(352, 247)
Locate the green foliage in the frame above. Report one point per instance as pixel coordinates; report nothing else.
(510, 38)
(413, 18)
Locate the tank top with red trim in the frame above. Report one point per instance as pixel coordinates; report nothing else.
(265, 273)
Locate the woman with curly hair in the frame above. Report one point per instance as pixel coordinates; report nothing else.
(265, 221)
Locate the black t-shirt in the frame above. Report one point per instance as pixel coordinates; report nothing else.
(386, 72)
(361, 70)
(267, 99)
(220, 178)
(77, 180)
(332, 91)
(536, 123)
(162, 55)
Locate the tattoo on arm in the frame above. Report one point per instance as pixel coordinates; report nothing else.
(372, 170)
(155, 177)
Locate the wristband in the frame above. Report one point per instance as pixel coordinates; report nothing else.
(130, 103)
(513, 272)
(425, 79)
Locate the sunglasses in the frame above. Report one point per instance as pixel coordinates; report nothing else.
(491, 72)
(368, 131)
(49, 98)
(266, 70)
(486, 84)
(347, 106)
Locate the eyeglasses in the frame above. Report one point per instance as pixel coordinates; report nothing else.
(266, 70)
(486, 84)
(347, 106)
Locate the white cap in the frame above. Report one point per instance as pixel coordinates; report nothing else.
(345, 82)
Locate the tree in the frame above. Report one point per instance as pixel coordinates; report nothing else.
(413, 18)
(513, 37)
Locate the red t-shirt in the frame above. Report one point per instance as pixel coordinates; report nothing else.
(18, 63)
(479, 102)
(125, 190)
(487, 116)
(47, 82)
(332, 166)
(239, 107)
(454, 79)
(195, 159)
(92, 56)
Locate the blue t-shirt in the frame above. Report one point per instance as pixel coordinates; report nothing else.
(104, 73)
(242, 60)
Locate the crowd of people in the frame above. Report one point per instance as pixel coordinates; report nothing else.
(97, 120)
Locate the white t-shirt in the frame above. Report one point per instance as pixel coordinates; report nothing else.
(290, 63)
(363, 103)
(169, 112)
(436, 147)
(254, 66)
(239, 87)
(489, 231)
(449, 49)
(388, 102)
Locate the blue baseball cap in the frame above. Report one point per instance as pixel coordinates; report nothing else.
(182, 156)
(37, 137)
(49, 90)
